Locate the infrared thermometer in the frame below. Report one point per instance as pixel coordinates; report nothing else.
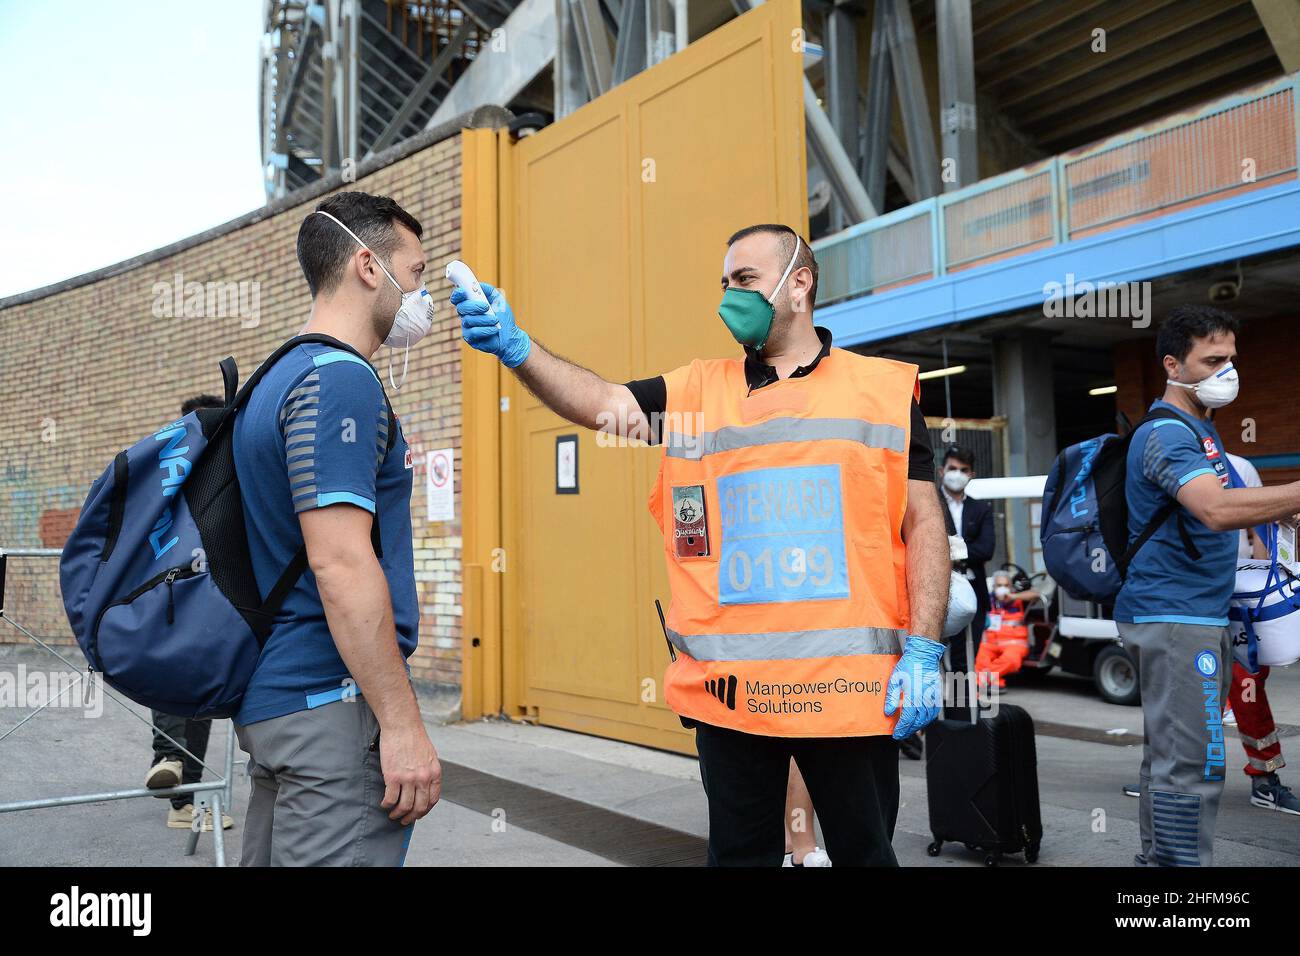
(461, 276)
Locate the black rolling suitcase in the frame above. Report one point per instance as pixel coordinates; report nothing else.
(982, 783)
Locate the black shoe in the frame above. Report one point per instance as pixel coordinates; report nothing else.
(1270, 793)
(1132, 790)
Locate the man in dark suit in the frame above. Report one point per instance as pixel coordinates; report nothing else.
(972, 519)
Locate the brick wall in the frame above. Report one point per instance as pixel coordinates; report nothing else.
(1265, 409)
(89, 369)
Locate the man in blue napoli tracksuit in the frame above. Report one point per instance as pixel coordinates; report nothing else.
(1172, 612)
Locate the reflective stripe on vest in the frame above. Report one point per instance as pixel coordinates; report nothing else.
(695, 447)
(789, 645)
(781, 512)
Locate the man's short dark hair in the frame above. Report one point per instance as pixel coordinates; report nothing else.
(201, 401)
(1187, 322)
(324, 248)
(788, 239)
(959, 454)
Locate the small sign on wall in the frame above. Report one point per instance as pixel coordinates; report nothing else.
(566, 464)
(440, 484)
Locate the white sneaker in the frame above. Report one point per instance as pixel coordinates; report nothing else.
(817, 857)
(1230, 718)
(163, 775)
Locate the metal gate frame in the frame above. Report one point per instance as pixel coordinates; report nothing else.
(213, 795)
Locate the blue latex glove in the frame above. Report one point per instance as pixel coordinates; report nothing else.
(496, 333)
(918, 680)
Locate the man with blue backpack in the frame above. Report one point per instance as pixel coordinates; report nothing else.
(1148, 522)
(340, 760)
(1172, 611)
(254, 561)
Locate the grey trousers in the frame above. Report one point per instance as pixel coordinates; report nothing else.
(1185, 671)
(316, 788)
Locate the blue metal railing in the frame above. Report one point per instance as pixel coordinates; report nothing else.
(1234, 143)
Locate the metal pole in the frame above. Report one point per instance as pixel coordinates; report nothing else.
(230, 763)
(910, 80)
(192, 841)
(329, 113)
(880, 105)
(842, 90)
(80, 798)
(593, 45)
(682, 23)
(630, 47)
(834, 160)
(659, 33)
(958, 118)
(218, 829)
(569, 84)
(839, 169)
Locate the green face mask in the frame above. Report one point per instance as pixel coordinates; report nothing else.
(748, 314)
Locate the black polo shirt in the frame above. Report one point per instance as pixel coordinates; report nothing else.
(652, 395)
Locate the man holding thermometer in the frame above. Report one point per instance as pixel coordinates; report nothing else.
(806, 551)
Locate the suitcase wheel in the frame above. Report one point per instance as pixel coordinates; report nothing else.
(934, 848)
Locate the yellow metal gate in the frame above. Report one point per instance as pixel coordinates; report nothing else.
(609, 239)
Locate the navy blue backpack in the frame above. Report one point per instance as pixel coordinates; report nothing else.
(156, 576)
(1085, 517)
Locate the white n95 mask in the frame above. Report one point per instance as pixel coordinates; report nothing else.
(414, 316)
(1216, 390)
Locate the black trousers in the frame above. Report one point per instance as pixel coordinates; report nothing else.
(853, 782)
(194, 735)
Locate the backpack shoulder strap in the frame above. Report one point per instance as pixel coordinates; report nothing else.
(1157, 414)
(230, 378)
(236, 399)
(1170, 507)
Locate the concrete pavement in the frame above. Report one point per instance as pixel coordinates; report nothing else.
(516, 794)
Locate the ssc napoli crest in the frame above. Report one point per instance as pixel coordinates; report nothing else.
(1207, 663)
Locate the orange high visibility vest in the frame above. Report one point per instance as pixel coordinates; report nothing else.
(781, 513)
(1006, 625)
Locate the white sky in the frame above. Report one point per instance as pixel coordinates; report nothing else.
(124, 125)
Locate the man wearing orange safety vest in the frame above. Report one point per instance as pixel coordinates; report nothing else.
(806, 551)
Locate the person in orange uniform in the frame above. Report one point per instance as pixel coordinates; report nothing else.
(806, 551)
(1006, 636)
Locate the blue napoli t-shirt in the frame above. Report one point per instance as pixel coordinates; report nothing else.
(1164, 582)
(314, 433)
